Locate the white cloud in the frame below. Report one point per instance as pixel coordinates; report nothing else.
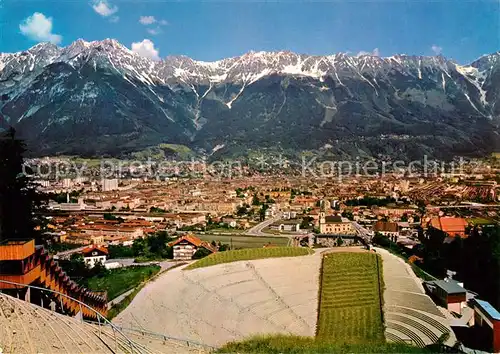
(104, 8)
(39, 28)
(147, 20)
(154, 31)
(146, 48)
(375, 52)
(163, 22)
(437, 49)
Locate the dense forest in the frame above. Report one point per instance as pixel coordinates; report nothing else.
(476, 259)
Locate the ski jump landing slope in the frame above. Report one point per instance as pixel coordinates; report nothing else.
(226, 302)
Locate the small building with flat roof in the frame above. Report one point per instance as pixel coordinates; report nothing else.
(487, 324)
(448, 293)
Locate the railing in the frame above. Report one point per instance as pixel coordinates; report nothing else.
(101, 320)
(54, 278)
(163, 337)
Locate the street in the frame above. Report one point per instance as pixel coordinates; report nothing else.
(365, 234)
(67, 254)
(257, 229)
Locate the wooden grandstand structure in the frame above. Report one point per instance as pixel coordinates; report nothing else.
(24, 263)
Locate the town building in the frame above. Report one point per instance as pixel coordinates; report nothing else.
(93, 255)
(186, 246)
(487, 324)
(451, 226)
(287, 215)
(335, 224)
(83, 239)
(386, 228)
(286, 225)
(394, 212)
(109, 184)
(113, 232)
(448, 293)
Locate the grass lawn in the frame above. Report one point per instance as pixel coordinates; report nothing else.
(122, 305)
(118, 281)
(249, 254)
(226, 230)
(268, 230)
(293, 344)
(350, 299)
(242, 241)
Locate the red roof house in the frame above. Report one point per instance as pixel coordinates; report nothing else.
(452, 226)
(186, 246)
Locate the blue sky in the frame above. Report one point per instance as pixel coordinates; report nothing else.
(459, 29)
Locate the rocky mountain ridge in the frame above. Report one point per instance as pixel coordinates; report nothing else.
(101, 98)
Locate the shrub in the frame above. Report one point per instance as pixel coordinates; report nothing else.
(201, 253)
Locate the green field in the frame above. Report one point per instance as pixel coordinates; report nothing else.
(350, 299)
(118, 281)
(242, 241)
(225, 230)
(481, 221)
(249, 254)
(268, 230)
(306, 345)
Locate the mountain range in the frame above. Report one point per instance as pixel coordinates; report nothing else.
(101, 99)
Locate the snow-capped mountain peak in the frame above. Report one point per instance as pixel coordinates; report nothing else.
(245, 68)
(111, 96)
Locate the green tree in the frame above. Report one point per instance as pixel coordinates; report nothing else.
(306, 220)
(269, 199)
(223, 247)
(381, 240)
(201, 253)
(242, 210)
(19, 199)
(98, 270)
(262, 211)
(140, 247)
(348, 214)
(118, 251)
(156, 210)
(75, 267)
(157, 243)
(109, 216)
(481, 270)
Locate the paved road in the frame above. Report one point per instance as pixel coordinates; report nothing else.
(362, 232)
(128, 262)
(68, 253)
(257, 229)
(120, 298)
